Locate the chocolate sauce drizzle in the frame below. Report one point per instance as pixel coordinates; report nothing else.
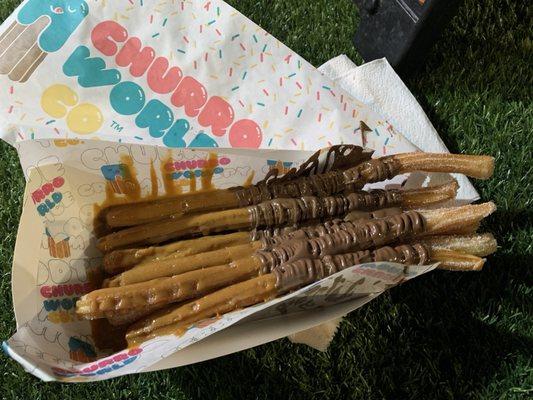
(358, 215)
(312, 228)
(293, 211)
(338, 157)
(310, 181)
(339, 237)
(376, 170)
(295, 274)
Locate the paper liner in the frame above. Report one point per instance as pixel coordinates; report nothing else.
(50, 342)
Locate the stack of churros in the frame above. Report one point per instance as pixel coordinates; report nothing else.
(173, 262)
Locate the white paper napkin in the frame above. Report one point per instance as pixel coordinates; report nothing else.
(376, 84)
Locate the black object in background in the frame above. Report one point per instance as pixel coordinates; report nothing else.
(401, 30)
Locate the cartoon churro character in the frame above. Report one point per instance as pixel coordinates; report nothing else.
(42, 27)
(281, 166)
(58, 244)
(116, 175)
(80, 350)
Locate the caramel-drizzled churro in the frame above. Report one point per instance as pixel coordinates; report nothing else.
(344, 237)
(287, 277)
(337, 157)
(278, 212)
(121, 260)
(161, 291)
(176, 266)
(326, 184)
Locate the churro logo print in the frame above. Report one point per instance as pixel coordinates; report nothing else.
(118, 176)
(386, 272)
(61, 283)
(59, 301)
(281, 166)
(42, 27)
(185, 93)
(81, 351)
(48, 196)
(60, 101)
(196, 168)
(104, 366)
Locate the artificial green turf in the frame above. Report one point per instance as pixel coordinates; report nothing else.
(444, 335)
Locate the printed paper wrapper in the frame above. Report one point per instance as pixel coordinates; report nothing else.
(179, 75)
(63, 184)
(171, 73)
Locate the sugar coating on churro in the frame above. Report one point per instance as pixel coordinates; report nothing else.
(477, 244)
(292, 275)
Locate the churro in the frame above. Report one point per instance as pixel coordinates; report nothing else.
(337, 158)
(121, 260)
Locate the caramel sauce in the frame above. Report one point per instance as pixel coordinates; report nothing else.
(249, 179)
(172, 189)
(154, 184)
(169, 186)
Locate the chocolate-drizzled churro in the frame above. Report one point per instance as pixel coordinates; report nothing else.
(336, 238)
(256, 240)
(118, 261)
(289, 276)
(273, 213)
(325, 184)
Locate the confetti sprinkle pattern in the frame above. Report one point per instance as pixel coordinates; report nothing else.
(234, 59)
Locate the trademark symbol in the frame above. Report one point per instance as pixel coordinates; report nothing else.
(116, 126)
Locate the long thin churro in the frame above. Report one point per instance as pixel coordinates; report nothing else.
(278, 212)
(336, 239)
(326, 184)
(478, 244)
(121, 260)
(176, 266)
(287, 277)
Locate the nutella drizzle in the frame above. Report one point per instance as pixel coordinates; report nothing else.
(338, 237)
(292, 211)
(295, 274)
(311, 180)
